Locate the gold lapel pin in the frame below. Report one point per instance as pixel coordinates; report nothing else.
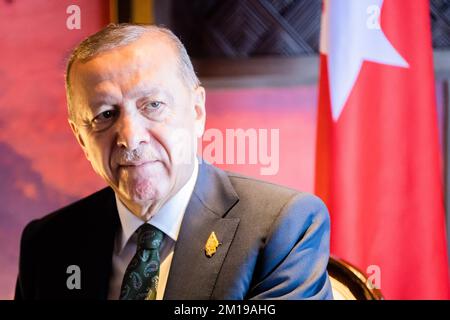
(211, 244)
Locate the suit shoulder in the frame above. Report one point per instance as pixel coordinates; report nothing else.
(273, 189)
(69, 216)
(274, 201)
(308, 208)
(243, 182)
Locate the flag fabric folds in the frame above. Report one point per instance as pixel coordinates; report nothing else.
(378, 165)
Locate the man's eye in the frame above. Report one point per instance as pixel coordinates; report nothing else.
(153, 105)
(153, 110)
(105, 116)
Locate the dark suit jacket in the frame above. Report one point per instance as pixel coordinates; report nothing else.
(274, 244)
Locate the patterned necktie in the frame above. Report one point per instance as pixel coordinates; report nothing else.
(141, 277)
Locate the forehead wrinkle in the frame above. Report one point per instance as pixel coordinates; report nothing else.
(128, 69)
(143, 88)
(140, 52)
(104, 92)
(129, 77)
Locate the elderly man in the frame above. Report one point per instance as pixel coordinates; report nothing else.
(169, 225)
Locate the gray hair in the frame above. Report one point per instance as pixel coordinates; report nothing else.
(118, 35)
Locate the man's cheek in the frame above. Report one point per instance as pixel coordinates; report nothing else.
(182, 144)
(100, 161)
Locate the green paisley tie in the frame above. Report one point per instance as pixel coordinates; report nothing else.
(141, 277)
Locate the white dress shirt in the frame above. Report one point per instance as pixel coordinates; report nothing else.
(168, 219)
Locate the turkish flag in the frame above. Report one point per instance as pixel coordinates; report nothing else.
(378, 164)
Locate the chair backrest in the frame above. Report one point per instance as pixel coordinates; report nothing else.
(349, 283)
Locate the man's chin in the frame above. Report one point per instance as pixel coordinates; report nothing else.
(139, 195)
(143, 197)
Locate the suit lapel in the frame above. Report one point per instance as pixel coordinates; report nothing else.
(99, 246)
(192, 274)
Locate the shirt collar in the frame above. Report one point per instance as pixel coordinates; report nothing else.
(168, 219)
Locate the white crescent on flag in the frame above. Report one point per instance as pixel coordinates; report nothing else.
(351, 34)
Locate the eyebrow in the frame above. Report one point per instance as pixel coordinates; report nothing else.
(104, 99)
(142, 91)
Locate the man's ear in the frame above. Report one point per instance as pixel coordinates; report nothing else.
(77, 135)
(200, 110)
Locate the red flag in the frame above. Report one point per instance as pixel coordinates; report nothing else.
(378, 159)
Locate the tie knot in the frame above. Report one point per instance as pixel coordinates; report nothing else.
(149, 237)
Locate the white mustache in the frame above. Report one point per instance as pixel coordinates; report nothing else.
(139, 155)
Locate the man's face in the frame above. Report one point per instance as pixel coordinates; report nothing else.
(137, 120)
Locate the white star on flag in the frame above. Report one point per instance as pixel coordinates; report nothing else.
(351, 34)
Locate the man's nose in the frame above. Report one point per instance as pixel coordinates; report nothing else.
(131, 131)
